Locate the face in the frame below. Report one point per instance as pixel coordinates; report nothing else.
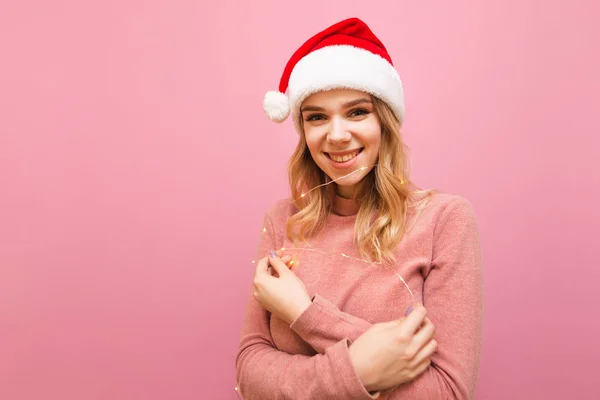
(343, 134)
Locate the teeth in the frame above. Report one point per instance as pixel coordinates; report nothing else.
(344, 158)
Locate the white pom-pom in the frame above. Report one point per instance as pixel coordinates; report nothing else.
(276, 106)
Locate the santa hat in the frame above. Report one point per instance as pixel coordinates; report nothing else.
(345, 55)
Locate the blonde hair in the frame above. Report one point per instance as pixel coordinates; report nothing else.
(385, 194)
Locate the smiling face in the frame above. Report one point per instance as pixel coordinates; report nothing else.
(343, 134)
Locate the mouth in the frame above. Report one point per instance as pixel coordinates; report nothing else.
(344, 157)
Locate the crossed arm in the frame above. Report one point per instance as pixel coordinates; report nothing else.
(453, 298)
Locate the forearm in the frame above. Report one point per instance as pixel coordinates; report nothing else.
(264, 372)
(322, 325)
(453, 296)
(433, 384)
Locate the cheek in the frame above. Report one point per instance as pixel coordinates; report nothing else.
(310, 144)
(373, 135)
(312, 138)
(312, 149)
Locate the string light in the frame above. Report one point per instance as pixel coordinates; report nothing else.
(283, 249)
(352, 258)
(291, 263)
(330, 182)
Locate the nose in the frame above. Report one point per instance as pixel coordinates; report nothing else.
(338, 133)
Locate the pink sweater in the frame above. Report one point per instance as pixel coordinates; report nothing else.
(439, 258)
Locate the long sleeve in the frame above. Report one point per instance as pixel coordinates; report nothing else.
(323, 324)
(453, 296)
(264, 372)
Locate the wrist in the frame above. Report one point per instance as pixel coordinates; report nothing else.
(299, 309)
(357, 364)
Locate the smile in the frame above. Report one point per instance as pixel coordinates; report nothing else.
(340, 158)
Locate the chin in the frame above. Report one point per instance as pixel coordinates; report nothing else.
(349, 181)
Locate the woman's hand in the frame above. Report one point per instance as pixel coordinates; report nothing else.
(280, 292)
(391, 353)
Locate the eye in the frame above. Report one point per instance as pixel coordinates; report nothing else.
(315, 117)
(358, 112)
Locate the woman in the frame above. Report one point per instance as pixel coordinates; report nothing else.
(357, 245)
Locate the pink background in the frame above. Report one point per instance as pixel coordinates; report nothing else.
(136, 164)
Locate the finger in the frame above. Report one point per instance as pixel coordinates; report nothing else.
(393, 324)
(287, 260)
(262, 271)
(426, 352)
(400, 320)
(413, 320)
(261, 266)
(278, 265)
(421, 367)
(424, 335)
(426, 321)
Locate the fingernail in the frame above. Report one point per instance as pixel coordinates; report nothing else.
(273, 254)
(410, 309)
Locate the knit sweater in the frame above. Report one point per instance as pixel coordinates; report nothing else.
(439, 258)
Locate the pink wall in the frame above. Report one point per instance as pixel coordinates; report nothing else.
(136, 164)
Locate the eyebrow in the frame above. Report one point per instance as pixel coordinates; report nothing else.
(346, 105)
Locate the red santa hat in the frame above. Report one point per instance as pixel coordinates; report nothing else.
(345, 55)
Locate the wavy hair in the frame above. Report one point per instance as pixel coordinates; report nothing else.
(385, 194)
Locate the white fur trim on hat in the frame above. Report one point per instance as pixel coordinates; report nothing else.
(344, 66)
(276, 106)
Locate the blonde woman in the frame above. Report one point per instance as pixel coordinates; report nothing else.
(366, 286)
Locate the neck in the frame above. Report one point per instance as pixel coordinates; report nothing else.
(343, 196)
(345, 192)
(344, 206)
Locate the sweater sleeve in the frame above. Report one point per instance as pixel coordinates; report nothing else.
(265, 372)
(323, 324)
(453, 296)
